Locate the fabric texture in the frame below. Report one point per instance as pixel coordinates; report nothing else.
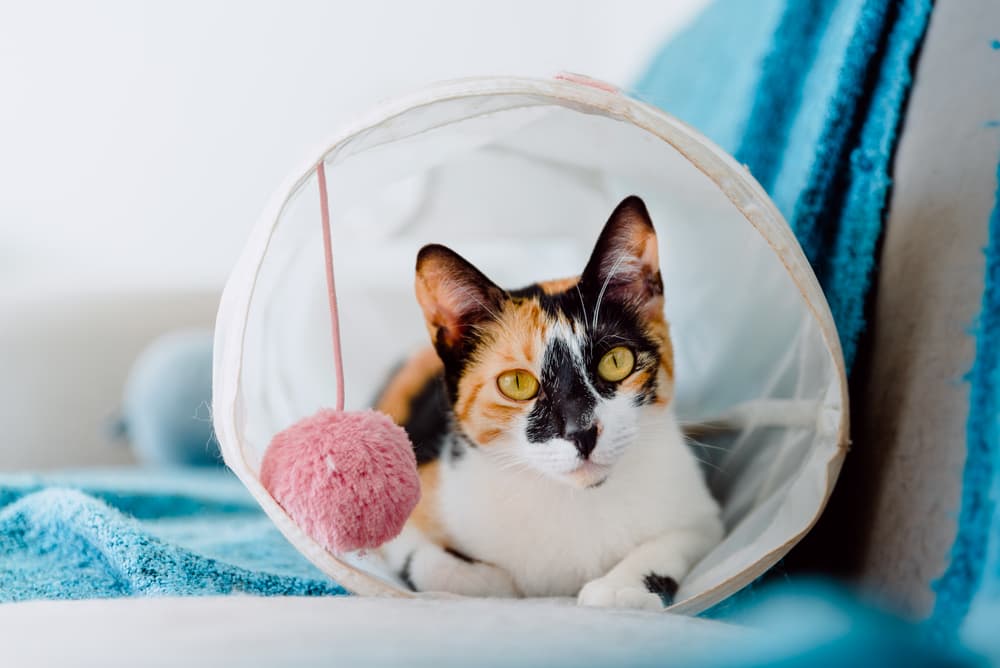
(348, 478)
(969, 590)
(135, 533)
(809, 95)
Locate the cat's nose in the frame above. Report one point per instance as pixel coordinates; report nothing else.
(585, 440)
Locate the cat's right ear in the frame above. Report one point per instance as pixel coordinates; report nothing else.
(454, 295)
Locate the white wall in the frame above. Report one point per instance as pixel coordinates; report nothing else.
(139, 141)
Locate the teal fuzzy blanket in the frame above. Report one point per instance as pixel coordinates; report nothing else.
(126, 533)
(809, 94)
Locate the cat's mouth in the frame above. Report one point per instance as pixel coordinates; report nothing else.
(589, 475)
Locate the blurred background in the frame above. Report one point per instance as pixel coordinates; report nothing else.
(139, 142)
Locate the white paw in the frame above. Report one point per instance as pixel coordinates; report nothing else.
(605, 593)
(493, 581)
(433, 570)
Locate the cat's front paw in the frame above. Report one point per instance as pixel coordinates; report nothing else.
(437, 570)
(608, 593)
(493, 581)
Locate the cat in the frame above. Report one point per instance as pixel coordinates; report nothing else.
(550, 459)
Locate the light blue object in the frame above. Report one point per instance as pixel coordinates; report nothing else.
(167, 402)
(141, 533)
(730, 37)
(815, 624)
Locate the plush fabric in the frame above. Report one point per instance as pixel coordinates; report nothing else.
(134, 533)
(809, 96)
(348, 478)
(971, 585)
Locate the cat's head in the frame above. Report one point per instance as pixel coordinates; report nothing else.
(555, 376)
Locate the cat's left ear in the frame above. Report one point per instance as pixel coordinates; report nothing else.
(454, 295)
(625, 264)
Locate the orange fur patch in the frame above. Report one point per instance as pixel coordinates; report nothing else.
(515, 343)
(487, 436)
(558, 285)
(465, 403)
(636, 381)
(425, 515)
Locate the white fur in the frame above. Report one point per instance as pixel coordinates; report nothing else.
(652, 515)
(543, 525)
(553, 538)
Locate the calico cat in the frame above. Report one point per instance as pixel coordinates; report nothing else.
(551, 463)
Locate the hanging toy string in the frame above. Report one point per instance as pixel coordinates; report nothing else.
(331, 290)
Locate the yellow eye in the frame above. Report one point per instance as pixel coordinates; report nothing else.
(616, 364)
(518, 384)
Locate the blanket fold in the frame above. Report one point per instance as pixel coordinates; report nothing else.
(135, 533)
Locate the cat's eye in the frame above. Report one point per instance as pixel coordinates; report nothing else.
(616, 364)
(518, 384)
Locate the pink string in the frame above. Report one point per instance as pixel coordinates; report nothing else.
(331, 290)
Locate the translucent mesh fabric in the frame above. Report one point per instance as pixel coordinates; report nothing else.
(520, 184)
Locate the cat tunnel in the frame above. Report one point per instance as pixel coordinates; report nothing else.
(519, 175)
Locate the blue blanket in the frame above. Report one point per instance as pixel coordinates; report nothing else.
(125, 533)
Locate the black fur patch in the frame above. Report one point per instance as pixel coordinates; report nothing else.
(461, 556)
(662, 585)
(428, 423)
(648, 393)
(460, 443)
(404, 573)
(567, 405)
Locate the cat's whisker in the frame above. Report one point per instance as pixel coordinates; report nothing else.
(702, 444)
(520, 466)
(628, 254)
(604, 287)
(716, 466)
(650, 425)
(470, 294)
(711, 465)
(606, 336)
(583, 306)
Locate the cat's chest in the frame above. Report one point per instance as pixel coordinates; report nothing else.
(553, 538)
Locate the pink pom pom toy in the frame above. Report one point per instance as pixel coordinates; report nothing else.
(348, 479)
